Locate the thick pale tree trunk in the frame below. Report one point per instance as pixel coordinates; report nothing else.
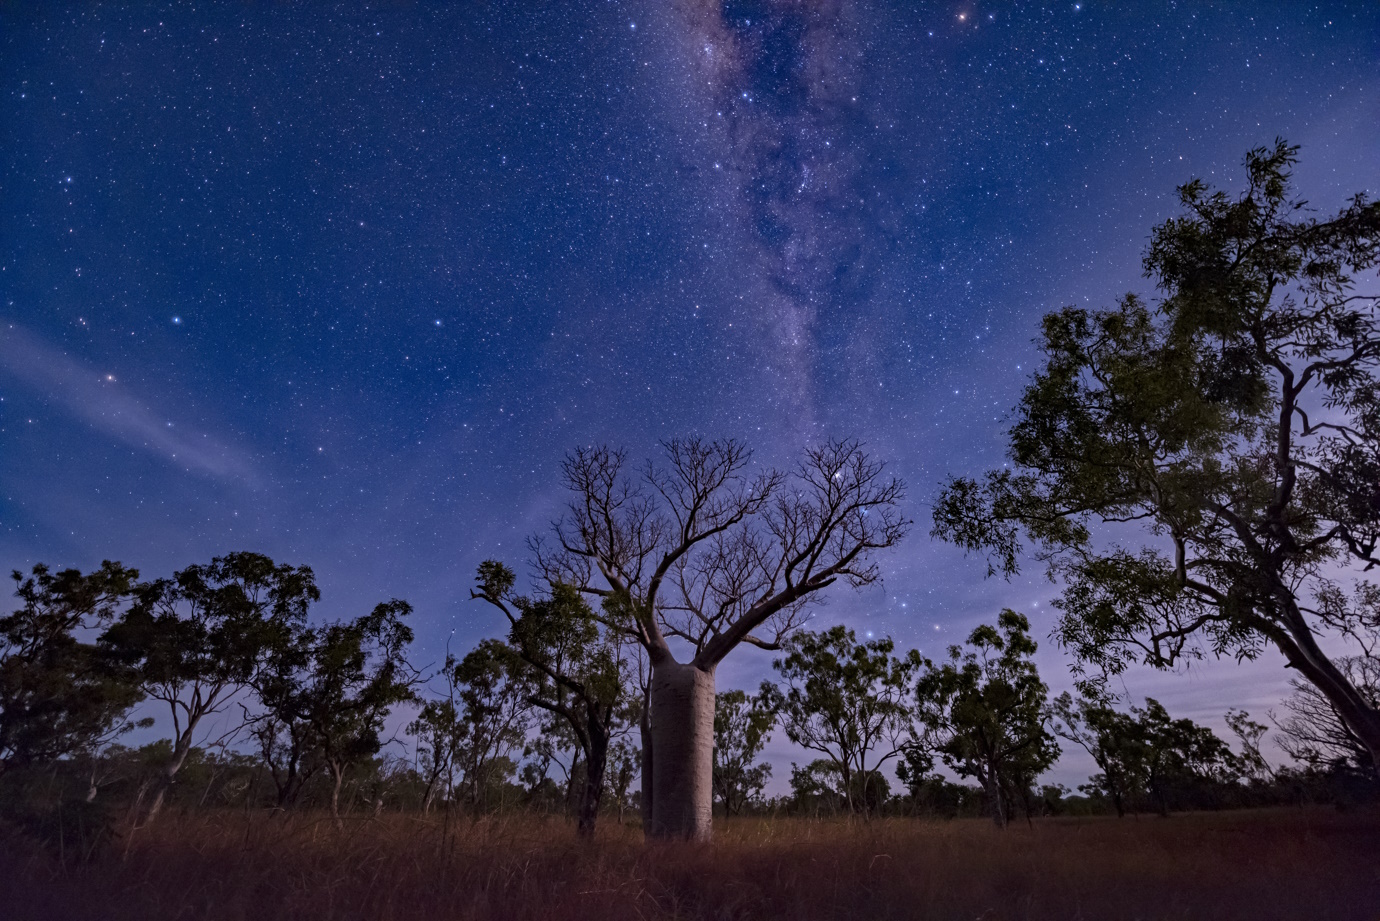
(682, 702)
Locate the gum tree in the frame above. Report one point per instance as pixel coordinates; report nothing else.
(693, 557)
(1203, 472)
(195, 641)
(573, 667)
(985, 711)
(851, 702)
(59, 695)
(325, 694)
(741, 728)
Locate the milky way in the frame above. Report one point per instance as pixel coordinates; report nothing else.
(780, 99)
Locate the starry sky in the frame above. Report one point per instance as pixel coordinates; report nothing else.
(342, 286)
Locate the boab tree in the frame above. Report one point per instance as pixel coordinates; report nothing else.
(1233, 428)
(696, 551)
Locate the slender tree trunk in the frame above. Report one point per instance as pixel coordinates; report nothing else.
(682, 701)
(338, 771)
(593, 791)
(992, 784)
(167, 776)
(645, 725)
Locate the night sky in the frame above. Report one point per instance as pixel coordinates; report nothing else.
(343, 287)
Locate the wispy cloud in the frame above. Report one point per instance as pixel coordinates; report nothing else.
(102, 402)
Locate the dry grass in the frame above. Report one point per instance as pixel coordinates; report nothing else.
(237, 867)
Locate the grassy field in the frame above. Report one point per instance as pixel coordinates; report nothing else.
(1297, 864)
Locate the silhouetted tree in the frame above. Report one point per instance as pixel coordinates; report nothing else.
(326, 692)
(59, 694)
(483, 718)
(742, 725)
(576, 667)
(1115, 741)
(196, 640)
(1236, 421)
(1180, 755)
(849, 701)
(698, 552)
(1313, 733)
(985, 711)
(495, 713)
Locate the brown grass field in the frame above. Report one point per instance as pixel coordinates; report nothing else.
(1295, 864)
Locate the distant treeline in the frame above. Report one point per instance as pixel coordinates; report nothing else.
(266, 708)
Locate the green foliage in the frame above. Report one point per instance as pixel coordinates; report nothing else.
(574, 664)
(847, 700)
(197, 639)
(59, 694)
(1149, 759)
(325, 692)
(985, 711)
(742, 726)
(1232, 428)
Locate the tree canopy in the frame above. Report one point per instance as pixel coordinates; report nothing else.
(985, 711)
(1203, 472)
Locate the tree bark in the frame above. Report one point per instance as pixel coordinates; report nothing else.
(1302, 652)
(648, 762)
(593, 791)
(338, 773)
(682, 701)
(167, 775)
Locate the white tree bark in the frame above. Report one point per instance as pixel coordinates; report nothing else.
(682, 703)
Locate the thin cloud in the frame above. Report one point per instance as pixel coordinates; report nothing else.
(100, 401)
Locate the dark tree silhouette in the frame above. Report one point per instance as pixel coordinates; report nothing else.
(985, 711)
(851, 702)
(1232, 429)
(576, 668)
(59, 695)
(196, 640)
(742, 725)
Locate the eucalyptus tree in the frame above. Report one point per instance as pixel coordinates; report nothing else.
(1180, 755)
(195, 641)
(1228, 434)
(495, 714)
(59, 695)
(325, 694)
(742, 726)
(576, 668)
(483, 718)
(1113, 739)
(851, 702)
(1313, 733)
(698, 552)
(985, 712)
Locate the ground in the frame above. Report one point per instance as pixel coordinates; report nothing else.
(236, 866)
